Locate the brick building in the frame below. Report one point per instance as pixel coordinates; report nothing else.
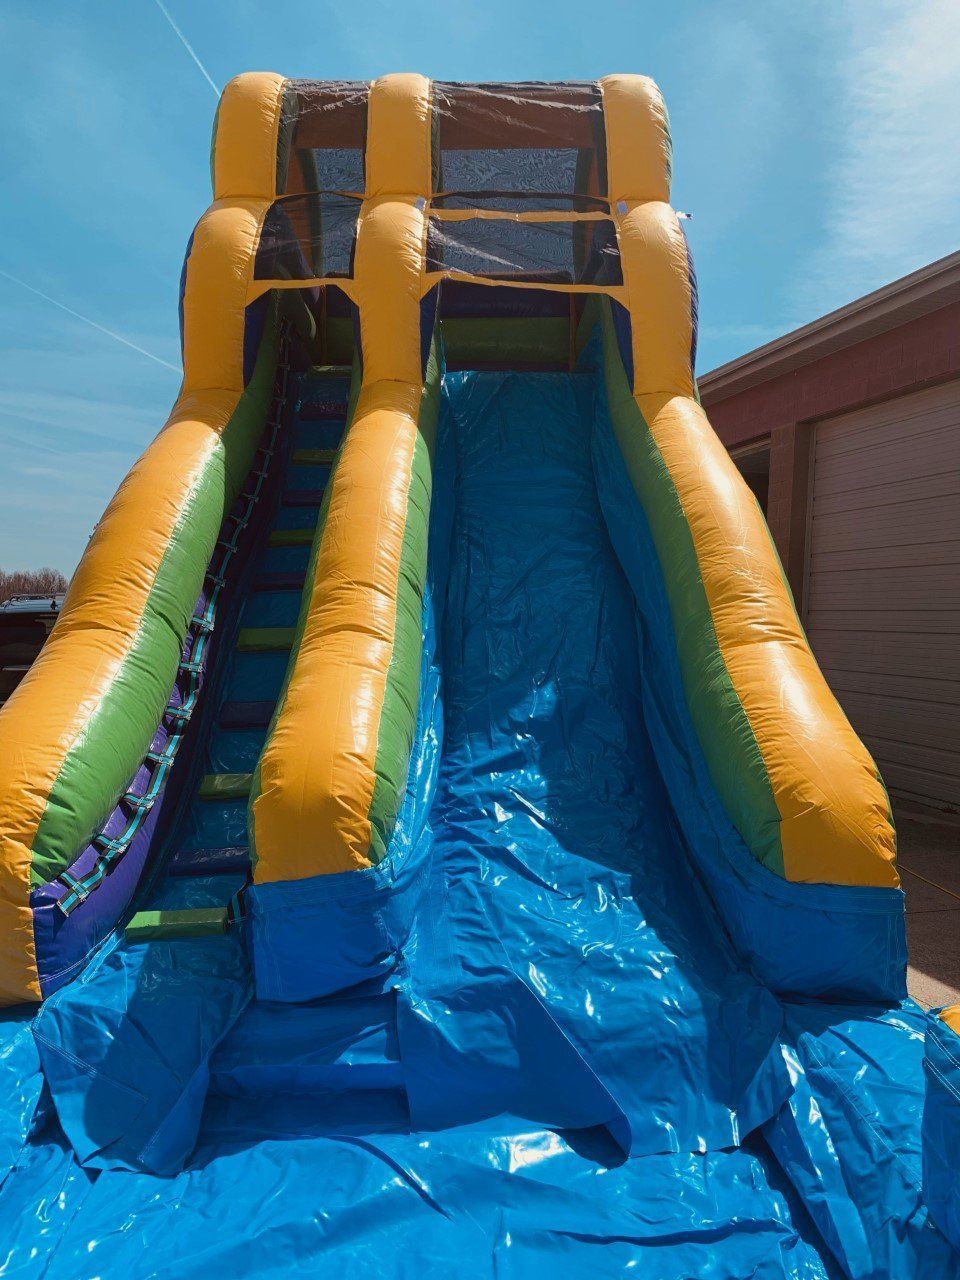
(848, 431)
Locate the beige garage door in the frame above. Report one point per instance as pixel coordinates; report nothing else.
(883, 583)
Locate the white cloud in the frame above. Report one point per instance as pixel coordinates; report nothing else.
(893, 178)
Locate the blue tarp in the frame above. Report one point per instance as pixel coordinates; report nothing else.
(530, 1046)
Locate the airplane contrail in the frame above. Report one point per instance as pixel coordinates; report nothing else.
(187, 45)
(86, 320)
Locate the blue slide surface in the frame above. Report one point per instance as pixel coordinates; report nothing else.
(570, 1071)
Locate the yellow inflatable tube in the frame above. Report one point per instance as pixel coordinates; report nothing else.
(329, 780)
(797, 782)
(78, 726)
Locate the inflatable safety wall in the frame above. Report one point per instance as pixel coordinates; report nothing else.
(427, 838)
(400, 202)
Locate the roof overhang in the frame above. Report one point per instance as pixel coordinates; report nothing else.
(932, 287)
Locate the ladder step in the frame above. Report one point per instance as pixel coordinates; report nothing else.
(292, 537)
(225, 786)
(246, 715)
(302, 497)
(200, 922)
(280, 582)
(313, 457)
(265, 639)
(207, 862)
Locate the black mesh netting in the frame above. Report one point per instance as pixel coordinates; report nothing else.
(328, 135)
(543, 252)
(309, 236)
(540, 139)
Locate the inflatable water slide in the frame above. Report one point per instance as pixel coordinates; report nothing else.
(428, 846)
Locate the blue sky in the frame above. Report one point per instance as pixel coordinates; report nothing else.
(815, 145)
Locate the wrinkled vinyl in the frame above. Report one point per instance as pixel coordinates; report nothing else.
(539, 1054)
(558, 891)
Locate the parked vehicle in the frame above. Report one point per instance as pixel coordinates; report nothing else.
(25, 623)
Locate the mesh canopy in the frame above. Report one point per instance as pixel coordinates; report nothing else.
(538, 139)
(331, 168)
(519, 202)
(309, 236)
(545, 252)
(544, 171)
(328, 135)
(524, 151)
(527, 113)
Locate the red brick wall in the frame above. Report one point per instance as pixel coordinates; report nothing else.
(914, 355)
(917, 354)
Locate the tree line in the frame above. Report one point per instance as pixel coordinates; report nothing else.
(31, 582)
